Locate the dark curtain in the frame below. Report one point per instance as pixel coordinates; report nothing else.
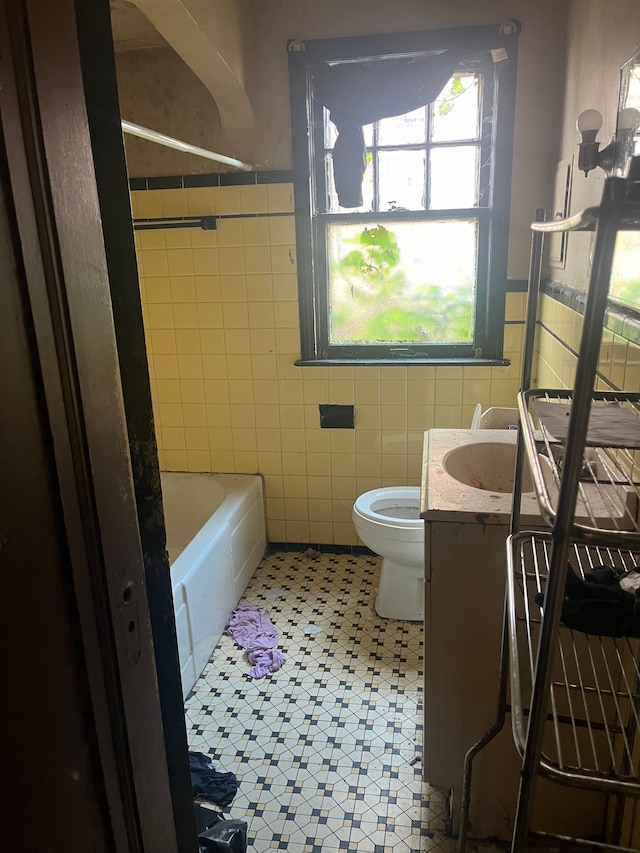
(359, 93)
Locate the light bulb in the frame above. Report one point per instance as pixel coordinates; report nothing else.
(589, 123)
(589, 120)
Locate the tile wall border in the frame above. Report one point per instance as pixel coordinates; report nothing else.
(620, 320)
(212, 179)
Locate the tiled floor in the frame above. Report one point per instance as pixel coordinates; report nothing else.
(327, 750)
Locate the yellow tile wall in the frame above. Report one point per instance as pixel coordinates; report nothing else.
(558, 340)
(221, 323)
(618, 363)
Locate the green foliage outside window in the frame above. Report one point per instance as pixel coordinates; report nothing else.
(454, 90)
(378, 304)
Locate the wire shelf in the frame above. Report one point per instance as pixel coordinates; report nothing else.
(608, 500)
(593, 712)
(574, 697)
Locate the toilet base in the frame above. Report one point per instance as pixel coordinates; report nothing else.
(401, 592)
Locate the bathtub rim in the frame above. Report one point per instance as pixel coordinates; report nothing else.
(224, 514)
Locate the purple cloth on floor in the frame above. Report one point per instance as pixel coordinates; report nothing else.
(251, 628)
(265, 660)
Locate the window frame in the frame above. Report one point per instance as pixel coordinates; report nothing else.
(495, 140)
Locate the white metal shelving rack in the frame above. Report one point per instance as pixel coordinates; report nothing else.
(574, 698)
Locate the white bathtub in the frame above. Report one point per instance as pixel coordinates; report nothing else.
(216, 538)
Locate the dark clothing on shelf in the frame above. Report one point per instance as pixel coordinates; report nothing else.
(605, 603)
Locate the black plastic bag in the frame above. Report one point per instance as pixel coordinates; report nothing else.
(225, 836)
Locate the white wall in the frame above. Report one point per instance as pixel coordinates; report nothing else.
(602, 35)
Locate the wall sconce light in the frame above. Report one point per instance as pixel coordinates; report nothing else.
(589, 153)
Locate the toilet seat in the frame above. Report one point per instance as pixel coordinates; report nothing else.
(378, 505)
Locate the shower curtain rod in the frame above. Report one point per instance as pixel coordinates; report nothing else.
(170, 142)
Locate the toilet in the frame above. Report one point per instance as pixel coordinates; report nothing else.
(388, 522)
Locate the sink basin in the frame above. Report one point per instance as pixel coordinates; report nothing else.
(468, 477)
(486, 465)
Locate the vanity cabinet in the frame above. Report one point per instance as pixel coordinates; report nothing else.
(465, 567)
(464, 599)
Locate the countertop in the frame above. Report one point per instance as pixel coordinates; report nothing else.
(444, 498)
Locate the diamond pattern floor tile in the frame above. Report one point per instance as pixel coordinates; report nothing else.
(327, 749)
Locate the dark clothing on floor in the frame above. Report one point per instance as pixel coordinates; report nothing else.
(219, 788)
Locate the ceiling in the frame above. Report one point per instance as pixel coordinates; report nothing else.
(207, 38)
(131, 30)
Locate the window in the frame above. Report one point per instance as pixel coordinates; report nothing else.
(417, 270)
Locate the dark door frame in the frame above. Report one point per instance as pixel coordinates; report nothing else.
(59, 114)
(103, 114)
